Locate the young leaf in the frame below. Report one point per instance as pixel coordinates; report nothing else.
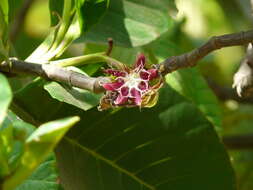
(56, 9)
(13, 133)
(4, 6)
(3, 35)
(37, 147)
(44, 177)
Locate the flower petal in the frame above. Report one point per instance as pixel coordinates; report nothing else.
(136, 95)
(120, 100)
(143, 85)
(124, 91)
(144, 75)
(112, 86)
(153, 73)
(115, 73)
(140, 61)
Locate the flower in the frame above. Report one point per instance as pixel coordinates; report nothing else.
(132, 86)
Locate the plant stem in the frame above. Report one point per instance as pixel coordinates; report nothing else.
(239, 141)
(88, 59)
(65, 22)
(55, 73)
(190, 59)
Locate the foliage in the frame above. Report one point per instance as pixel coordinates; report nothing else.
(173, 145)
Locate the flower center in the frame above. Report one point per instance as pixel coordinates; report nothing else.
(132, 80)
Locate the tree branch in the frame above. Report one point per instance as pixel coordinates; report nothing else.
(239, 141)
(191, 58)
(59, 74)
(54, 73)
(227, 93)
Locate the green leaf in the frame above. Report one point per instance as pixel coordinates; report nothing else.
(3, 36)
(27, 108)
(5, 97)
(171, 146)
(44, 177)
(37, 147)
(132, 22)
(188, 82)
(13, 133)
(172, 143)
(191, 84)
(90, 12)
(4, 6)
(80, 98)
(56, 9)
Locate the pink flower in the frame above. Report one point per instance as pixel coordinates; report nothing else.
(132, 86)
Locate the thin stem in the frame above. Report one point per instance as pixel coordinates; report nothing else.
(88, 59)
(65, 22)
(239, 141)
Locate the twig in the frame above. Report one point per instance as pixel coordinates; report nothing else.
(59, 74)
(19, 19)
(239, 141)
(54, 73)
(191, 58)
(110, 46)
(227, 93)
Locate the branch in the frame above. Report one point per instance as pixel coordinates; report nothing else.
(54, 73)
(59, 74)
(239, 141)
(227, 93)
(191, 58)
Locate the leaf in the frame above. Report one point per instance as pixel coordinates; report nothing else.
(5, 97)
(13, 132)
(173, 141)
(132, 22)
(171, 146)
(37, 147)
(4, 6)
(3, 31)
(191, 84)
(188, 82)
(56, 8)
(44, 177)
(90, 12)
(80, 98)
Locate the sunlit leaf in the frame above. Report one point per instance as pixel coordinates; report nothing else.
(132, 23)
(80, 98)
(44, 177)
(37, 147)
(5, 97)
(4, 6)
